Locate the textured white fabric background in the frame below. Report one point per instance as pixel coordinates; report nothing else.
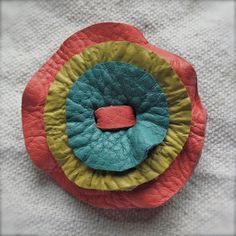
(200, 31)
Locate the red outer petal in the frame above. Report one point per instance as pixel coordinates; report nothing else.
(148, 195)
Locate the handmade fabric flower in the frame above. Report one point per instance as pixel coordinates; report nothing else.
(111, 112)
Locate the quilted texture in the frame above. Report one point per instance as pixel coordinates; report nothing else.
(115, 83)
(54, 113)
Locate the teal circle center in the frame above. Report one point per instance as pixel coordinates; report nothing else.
(115, 83)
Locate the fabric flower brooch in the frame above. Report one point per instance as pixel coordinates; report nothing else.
(115, 121)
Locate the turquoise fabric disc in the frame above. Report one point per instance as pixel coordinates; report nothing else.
(115, 83)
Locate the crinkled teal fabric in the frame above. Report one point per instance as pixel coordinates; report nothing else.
(115, 83)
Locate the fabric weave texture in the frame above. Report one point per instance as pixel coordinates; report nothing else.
(200, 31)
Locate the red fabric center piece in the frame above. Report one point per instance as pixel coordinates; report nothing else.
(115, 117)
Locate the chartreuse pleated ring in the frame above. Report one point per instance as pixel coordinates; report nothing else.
(159, 159)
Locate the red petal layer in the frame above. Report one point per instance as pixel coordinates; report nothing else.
(151, 194)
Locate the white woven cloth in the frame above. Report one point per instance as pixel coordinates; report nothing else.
(200, 31)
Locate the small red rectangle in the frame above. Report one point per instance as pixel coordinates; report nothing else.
(115, 117)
